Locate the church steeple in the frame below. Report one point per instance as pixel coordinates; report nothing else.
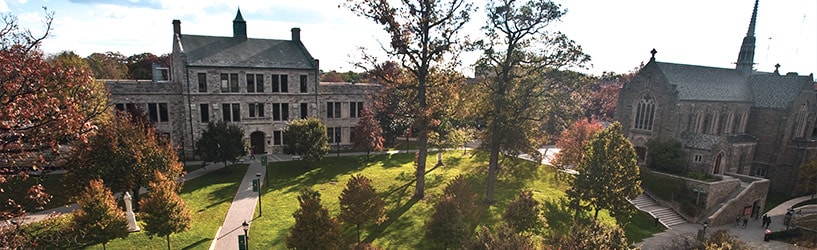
(239, 26)
(746, 57)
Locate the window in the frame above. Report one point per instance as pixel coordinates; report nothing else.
(204, 112)
(698, 158)
(334, 134)
(645, 113)
(730, 120)
(256, 110)
(280, 111)
(760, 171)
(229, 83)
(355, 108)
(202, 82)
(304, 110)
(255, 83)
(713, 123)
(333, 110)
(280, 84)
(231, 112)
(799, 129)
(351, 133)
(303, 84)
(120, 107)
(157, 112)
(277, 138)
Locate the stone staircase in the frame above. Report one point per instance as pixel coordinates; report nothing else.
(666, 215)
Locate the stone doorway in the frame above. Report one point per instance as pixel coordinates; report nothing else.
(718, 163)
(257, 144)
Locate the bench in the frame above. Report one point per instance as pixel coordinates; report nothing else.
(296, 157)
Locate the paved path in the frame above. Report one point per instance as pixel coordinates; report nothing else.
(242, 209)
(752, 234)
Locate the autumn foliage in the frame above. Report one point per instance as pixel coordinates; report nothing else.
(98, 216)
(314, 228)
(572, 143)
(163, 211)
(360, 204)
(368, 135)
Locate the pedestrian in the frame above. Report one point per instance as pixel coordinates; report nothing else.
(768, 221)
(745, 221)
(737, 220)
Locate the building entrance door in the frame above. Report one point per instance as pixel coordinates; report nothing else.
(718, 162)
(257, 142)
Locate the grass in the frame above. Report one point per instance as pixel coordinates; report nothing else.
(191, 167)
(392, 176)
(208, 199)
(15, 188)
(806, 202)
(773, 200)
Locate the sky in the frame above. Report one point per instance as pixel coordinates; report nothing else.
(618, 35)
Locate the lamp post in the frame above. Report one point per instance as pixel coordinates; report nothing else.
(246, 227)
(258, 180)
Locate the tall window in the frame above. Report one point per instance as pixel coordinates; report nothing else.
(231, 112)
(334, 134)
(277, 138)
(333, 110)
(256, 110)
(645, 113)
(355, 108)
(303, 84)
(304, 110)
(255, 83)
(713, 126)
(280, 84)
(157, 112)
(799, 129)
(229, 83)
(730, 120)
(280, 111)
(204, 112)
(202, 82)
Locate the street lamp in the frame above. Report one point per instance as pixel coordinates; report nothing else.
(246, 227)
(258, 180)
(705, 225)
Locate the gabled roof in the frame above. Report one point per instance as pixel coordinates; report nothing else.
(777, 91)
(706, 83)
(254, 53)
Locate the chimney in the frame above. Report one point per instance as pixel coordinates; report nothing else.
(296, 34)
(239, 26)
(177, 27)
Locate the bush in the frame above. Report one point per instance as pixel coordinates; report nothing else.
(667, 156)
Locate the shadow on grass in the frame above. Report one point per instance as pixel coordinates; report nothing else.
(294, 176)
(197, 243)
(559, 216)
(221, 195)
(393, 216)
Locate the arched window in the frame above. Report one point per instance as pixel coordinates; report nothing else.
(645, 113)
(799, 130)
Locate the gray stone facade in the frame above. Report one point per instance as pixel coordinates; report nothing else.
(258, 84)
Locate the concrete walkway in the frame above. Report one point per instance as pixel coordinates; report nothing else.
(752, 235)
(243, 207)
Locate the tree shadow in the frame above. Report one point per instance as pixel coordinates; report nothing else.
(197, 243)
(294, 176)
(392, 217)
(559, 215)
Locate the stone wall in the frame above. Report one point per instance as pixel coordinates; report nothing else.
(754, 194)
(713, 192)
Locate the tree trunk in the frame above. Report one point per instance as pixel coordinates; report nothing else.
(168, 241)
(419, 191)
(358, 234)
(493, 165)
(103, 246)
(596, 216)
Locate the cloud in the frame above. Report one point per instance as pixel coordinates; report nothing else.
(151, 4)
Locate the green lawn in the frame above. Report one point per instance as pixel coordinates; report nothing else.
(392, 176)
(208, 198)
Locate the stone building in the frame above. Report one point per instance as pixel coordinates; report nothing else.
(737, 122)
(258, 84)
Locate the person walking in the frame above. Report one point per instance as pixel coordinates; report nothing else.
(737, 220)
(745, 221)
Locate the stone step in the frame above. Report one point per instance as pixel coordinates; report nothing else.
(665, 215)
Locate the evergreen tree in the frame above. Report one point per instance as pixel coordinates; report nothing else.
(360, 204)
(368, 135)
(667, 155)
(524, 214)
(608, 174)
(163, 211)
(501, 238)
(221, 142)
(98, 216)
(464, 197)
(314, 228)
(307, 138)
(448, 225)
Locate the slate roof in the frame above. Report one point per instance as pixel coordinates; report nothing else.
(254, 53)
(700, 141)
(695, 82)
(776, 91)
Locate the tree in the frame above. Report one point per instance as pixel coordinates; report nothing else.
(124, 153)
(140, 66)
(464, 197)
(600, 99)
(42, 107)
(98, 216)
(314, 228)
(572, 143)
(524, 214)
(807, 178)
(163, 211)
(108, 65)
(593, 235)
(448, 226)
(608, 175)
(307, 138)
(667, 155)
(423, 34)
(368, 135)
(393, 104)
(360, 204)
(458, 137)
(221, 142)
(502, 237)
(524, 87)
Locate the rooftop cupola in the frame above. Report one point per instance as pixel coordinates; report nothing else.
(239, 26)
(746, 57)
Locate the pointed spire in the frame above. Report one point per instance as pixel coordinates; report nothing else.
(239, 26)
(746, 56)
